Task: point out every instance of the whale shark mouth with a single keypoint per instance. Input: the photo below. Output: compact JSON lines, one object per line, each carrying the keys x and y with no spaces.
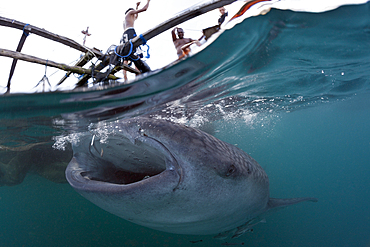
{"x":122,"y":161}
{"x":120,"y":175}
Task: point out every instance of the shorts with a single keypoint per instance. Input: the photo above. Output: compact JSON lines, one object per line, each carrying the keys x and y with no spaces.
{"x":128,"y":35}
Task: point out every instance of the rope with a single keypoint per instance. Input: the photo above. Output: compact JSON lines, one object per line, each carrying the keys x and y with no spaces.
{"x":131,"y":48}
{"x":143,"y":39}
{"x":192,"y":30}
{"x":24,"y":30}
{"x":147,"y":51}
{"x":131,"y":58}
{"x":44,"y":78}
{"x":67,"y":75}
{"x":147,"y":46}
{"x":91,"y":51}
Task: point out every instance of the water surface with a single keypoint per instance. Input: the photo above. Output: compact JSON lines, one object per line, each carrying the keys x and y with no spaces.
{"x":290,"y":88}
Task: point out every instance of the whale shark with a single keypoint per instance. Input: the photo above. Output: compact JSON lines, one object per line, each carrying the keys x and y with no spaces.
{"x":170,"y":177}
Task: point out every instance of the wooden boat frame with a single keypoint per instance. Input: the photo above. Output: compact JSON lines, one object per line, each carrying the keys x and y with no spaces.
{"x":91,"y":53}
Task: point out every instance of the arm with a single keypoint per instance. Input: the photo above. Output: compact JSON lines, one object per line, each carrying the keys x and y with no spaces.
{"x":173,"y":32}
{"x":194,"y":41}
{"x":137,"y":11}
{"x":186,"y":46}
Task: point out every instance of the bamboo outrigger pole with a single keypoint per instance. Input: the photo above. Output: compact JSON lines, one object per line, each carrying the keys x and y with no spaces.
{"x":73,"y":69}
{"x":182,"y":17}
{"x":83,"y":60}
{"x":27,"y":29}
{"x":46,"y":34}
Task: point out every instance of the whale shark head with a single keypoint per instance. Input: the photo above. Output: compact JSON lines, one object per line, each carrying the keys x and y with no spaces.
{"x":170,"y":177}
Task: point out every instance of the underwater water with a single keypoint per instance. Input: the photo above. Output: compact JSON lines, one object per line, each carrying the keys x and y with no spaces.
{"x":292,"y":89}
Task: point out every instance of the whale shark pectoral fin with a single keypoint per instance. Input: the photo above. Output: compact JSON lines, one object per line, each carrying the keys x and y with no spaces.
{"x":240,"y":230}
{"x":224,"y":235}
{"x":278,"y":203}
{"x":247,"y":227}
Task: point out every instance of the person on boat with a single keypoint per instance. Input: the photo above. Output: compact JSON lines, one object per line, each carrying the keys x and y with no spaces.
{"x":182,"y":44}
{"x":129,"y":33}
{"x":131,"y":16}
{"x":223,"y":15}
{"x":208,"y":32}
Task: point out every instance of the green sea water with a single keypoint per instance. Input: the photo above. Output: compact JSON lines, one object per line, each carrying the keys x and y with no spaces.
{"x":292,"y":91}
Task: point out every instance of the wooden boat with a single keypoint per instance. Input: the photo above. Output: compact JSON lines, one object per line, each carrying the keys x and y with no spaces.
{"x":91,"y":53}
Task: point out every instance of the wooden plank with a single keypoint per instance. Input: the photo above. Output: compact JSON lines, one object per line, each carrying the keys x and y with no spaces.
{"x":182,"y":17}
{"x":81,"y":82}
{"x":83,"y":60}
{"x":101,"y":66}
{"x":32,"y":59}
{"x":46,"y":34}
{"x":125,"y":67}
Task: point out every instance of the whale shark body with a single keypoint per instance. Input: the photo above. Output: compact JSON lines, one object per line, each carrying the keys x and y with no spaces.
{"x":171,"y":178}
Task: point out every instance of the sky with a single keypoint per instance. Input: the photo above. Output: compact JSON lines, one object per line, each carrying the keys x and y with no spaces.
{"x":105,"y":21}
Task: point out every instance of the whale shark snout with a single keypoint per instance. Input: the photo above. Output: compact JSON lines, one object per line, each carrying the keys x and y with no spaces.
{"x":170,"y":177}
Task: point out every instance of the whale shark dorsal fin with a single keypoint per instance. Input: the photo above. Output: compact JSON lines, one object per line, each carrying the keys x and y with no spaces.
{"x":278,"y":203}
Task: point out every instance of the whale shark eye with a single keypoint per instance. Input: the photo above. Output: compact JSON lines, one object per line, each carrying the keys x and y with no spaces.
{"x":231,"y":170}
